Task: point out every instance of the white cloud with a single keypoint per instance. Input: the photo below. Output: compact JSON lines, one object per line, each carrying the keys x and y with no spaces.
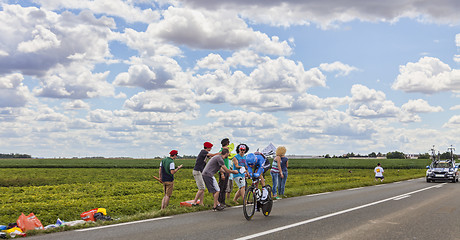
{"x":457,"y":43}
{"x":331,"y":13}
{"x":456,"y":107}
{"x":45,"y":113}
{"x":12,"y":91}
{"x":212,"y":61}
{"x":369,"y":103}
{"x":74,"y":82}
{"x":124,"y":9}
{"x":274,"y":85}
{"x":332,"y":122}
{"x":35,"y":40}
{"x":343,"y":69}
{"x":420,"y":106}
{"x":285,"y":75}
{"x":242,"y":119}
{"x":43,"y":38}
{"x":100,"y":116}
{"x":428,"y":75}
{"x":152,"y":73}
{"x":167,"y":101}
{"x":454,"y":122}
{"x":214,"y":30}
{"x":76,"y":104}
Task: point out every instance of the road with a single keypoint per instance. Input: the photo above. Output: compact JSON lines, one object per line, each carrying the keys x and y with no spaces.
{"x":404,"y":210}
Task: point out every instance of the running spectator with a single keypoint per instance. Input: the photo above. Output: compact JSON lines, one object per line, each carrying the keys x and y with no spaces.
{"x":166,"y":172}
{"x":379,"y":172}
{"x":198,"y":169}
{"x":239,"y":164}
{"x":215,"y":164}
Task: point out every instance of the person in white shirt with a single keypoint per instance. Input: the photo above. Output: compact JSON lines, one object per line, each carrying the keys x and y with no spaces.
{"x":378,"y":172}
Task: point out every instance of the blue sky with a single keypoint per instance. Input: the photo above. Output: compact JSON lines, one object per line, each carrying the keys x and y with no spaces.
{"x":138,"y":78}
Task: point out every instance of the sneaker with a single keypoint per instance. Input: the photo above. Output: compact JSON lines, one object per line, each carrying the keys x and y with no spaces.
{"x":277,"y":198}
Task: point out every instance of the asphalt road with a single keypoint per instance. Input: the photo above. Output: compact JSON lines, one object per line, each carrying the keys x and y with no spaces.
{"x":404,"y":210}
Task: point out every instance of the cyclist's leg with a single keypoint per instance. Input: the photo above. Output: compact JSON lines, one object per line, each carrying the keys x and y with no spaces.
{"x":260,"y":172}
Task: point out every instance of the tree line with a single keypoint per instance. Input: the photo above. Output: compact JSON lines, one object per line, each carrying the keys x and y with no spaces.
{"x":14,"y":155}
{"x":394,"y":155}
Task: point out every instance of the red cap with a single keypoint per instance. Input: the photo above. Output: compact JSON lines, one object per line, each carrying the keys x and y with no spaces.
{"x":173,"y":152}
{"x":208,"y":145}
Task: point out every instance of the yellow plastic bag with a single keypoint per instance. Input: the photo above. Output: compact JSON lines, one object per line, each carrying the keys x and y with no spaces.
{"x":102,"y":210}
{"x":12,"y":230}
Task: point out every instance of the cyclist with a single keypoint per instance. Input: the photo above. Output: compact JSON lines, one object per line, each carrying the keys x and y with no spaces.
{"x":256,"y":166}
{"x":255,"y":163}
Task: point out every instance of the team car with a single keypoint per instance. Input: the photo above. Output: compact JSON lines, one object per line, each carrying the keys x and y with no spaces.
{"x":445,"y":170}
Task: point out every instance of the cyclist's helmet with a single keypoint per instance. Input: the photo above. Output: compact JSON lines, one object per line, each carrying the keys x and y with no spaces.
{"x":251,"y":159}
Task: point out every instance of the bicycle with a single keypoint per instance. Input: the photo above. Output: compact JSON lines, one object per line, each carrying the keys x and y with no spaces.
{"x":253,"y":197}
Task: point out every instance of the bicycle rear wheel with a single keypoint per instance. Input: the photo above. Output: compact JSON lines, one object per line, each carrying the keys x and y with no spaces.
{"x":249,"y":203}
{"x":268,"y":204}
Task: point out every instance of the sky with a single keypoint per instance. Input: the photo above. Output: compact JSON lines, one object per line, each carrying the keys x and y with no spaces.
{"x":138,"y":78}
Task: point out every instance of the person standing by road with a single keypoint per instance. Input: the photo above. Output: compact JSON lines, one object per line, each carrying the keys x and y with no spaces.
{"x":283,"y":174}
{"x":276,"y":174}
{"x":379,"y":172}
{"x":198,"y":169}
{"x":166,"y":172}
{"x":224,"y":176}
{"x":215,"y":164}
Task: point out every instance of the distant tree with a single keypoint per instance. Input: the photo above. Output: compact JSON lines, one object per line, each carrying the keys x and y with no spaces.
{"x":446,"y":155}
{"x":424,"y":156}
{"x":379,"y":154}
{"x":396,"y":155}
{"x":14,"y":155}
{"x":372,"y":154}
{"x":327,"y":156}
{"x":350,"y":155}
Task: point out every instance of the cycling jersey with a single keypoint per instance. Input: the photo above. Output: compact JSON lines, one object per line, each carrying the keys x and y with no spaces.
{"x":257,"y":168}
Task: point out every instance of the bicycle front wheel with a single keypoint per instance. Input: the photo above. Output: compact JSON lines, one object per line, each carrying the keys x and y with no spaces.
{"x":249,"y":203}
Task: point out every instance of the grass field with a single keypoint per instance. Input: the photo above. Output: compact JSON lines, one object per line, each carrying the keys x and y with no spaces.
{"x":332,"y":163}
{"x":126,"y":188}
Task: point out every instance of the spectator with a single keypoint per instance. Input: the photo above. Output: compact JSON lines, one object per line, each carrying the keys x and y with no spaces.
{"x":198,"y":169}
{"x":379,"y":172}
{"x":166,"y":172}
{"x":215,"y":164}
{"x":276,"y":175}
{"x":239,"y":164}
{"x":224,"y":176}
{"x":281,"y":153}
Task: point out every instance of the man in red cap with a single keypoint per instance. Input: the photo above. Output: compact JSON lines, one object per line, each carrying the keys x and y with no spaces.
{"x":198,"y":170}
{"x":166,"y":172}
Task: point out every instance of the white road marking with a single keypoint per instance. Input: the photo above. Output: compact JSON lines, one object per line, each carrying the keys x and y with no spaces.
{"x":333,"y":214}
{"x":121,"y":224}
{"x":318,"y":194}
{"x":401,"y":197}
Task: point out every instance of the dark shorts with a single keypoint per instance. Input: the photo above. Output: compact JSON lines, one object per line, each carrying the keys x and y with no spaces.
{"x":211,"y":184}
{"x":382,"y":177}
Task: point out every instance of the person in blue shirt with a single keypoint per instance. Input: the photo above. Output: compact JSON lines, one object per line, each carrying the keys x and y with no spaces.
{"x":239,"y":163}
{"x":255,"y":163}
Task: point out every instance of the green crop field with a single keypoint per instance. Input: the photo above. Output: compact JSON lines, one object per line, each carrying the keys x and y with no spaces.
{"x":64,"y":188}
{"x":333,"y":163}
